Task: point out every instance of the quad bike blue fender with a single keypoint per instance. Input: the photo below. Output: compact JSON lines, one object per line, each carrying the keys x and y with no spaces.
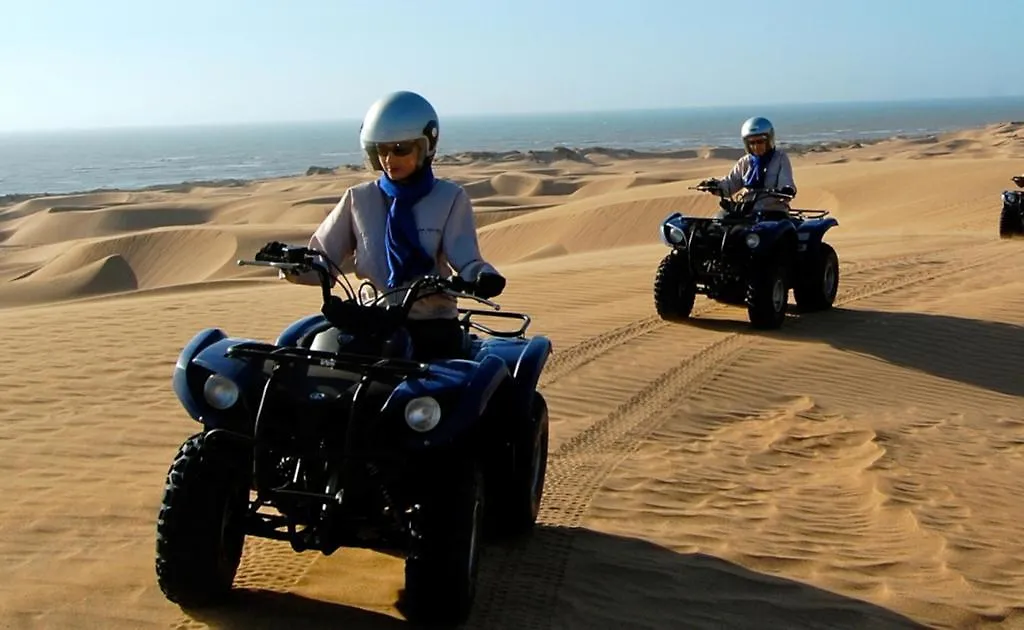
{"x":526,"y":361}
{"x":527,"y":371}
{"x":462,"y":388}
{"x":198,"y":360}
{"x":811,"y":232}
{"x":296,"y":330}
{"x":673,"y":230}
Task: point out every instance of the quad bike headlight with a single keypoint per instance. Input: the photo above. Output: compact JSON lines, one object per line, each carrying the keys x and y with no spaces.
{"x":1010,"y":197}
{"x":675,"y":235}
{"x":753,"y":240}
{"x":220,"y":391}
{"x":422,"y":414}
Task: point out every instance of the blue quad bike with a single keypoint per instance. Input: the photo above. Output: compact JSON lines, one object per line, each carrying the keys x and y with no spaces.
{"x":1011,"y":219}
{"x":333,"y":436}
{"x":747,"y":257}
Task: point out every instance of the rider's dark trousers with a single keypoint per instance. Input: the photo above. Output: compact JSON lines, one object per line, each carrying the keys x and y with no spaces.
{"x":435,"y":339}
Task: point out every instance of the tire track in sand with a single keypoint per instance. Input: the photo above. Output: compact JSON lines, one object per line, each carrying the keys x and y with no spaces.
{"x":520,"y":583}
{"x":593,"y":348}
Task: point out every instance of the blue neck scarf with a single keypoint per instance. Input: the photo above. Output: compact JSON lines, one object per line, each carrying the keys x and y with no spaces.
{"x":406,"y":257}
{"x":758,"y":169}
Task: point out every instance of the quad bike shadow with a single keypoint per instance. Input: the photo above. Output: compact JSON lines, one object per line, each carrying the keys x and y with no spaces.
{"x":661,"y":588}
{"x":991,"y":358}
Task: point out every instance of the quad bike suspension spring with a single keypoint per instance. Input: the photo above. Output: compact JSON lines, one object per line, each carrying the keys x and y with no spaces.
{"x":374,"y":474}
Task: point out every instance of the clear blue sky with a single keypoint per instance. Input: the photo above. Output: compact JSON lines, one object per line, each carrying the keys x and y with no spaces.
{"x":98,"y":63}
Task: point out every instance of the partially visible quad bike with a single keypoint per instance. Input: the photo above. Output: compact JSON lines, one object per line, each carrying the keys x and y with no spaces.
{"x":1011,"y":219}
{"x":748,"y":258}
{"x":334,"y":437}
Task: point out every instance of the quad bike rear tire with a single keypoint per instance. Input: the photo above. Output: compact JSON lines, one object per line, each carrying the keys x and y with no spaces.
{"x":1011,"y":222}
{"x":200,"y":529}
{"x":517,"y":493}
{"x":674,"y":288}
{"x":818,"y":282}
{"x":441,"y":570}
{"x":768,"y":296}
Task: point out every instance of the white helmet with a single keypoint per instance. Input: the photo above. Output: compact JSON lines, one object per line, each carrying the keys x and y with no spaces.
{"x":758,"y":126}
{"x":399,"y":117}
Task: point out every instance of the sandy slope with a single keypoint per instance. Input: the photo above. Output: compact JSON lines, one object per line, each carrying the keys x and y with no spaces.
{"x":859,"y":468}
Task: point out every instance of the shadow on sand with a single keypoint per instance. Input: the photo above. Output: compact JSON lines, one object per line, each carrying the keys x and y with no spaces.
{"x":976,"y":352}
{"x":610,"y":582}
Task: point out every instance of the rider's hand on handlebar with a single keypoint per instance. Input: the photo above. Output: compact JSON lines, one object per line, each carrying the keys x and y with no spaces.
{"x":489,"y":285}
{"x":271,"y":251}
{"x":459,"y":285}
{"x":1019,"y":180}
{"x":709,"y":184}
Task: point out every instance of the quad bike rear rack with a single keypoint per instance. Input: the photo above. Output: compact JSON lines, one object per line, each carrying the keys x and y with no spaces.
{"x":809,"y":214}
{"x":467,"y":313}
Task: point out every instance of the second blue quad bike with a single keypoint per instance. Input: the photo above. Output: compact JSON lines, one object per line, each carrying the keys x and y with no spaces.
{"x":1011,"y":219}
{"x":333,"y":436}
{"x":748,"y":257}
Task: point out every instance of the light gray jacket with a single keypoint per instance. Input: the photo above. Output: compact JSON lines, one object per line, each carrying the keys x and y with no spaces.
{"x":778,"y":174}
{"x":357,"y":226}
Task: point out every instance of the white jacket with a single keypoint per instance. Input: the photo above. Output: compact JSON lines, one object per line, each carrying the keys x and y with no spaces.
{"x":447,"y":229}
{"x":778,"y":174}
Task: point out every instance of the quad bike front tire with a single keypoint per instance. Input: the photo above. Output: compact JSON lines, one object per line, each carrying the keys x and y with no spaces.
{"x":1011,"y":222}
{"x":768,"y":296}
{"x":442,"y":568}
{"x":200,"y":528}
{"x":674,"y":288}
{"x":517,"y":493}
{"x":818,"y":282}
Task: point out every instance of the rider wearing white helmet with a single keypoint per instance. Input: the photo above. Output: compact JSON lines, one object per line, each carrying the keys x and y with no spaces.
{"x":763,"y":166}
{"x":407,"y":223}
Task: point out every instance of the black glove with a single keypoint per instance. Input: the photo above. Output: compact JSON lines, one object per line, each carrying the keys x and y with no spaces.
{"x":788,"y":191}
{"x":271,"y":251}
{"x":489,"y":285}
{"x":1019,"y":180}
{"x":709,"y":183}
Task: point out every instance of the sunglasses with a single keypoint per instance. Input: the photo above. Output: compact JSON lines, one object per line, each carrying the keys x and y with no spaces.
{"x":398,"y":149}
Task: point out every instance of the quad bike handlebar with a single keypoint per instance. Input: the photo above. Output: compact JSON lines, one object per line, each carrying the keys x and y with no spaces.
{"x":1019,"y":180}
{"x":783,"y":193}
{"x":377,"y":312}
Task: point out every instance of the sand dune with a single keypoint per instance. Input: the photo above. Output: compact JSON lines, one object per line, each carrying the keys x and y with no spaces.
{"x":859,"y":468}
{"x":56,"y":225}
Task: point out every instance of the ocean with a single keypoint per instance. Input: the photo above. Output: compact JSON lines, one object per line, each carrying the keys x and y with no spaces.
{"x":71,"y":161}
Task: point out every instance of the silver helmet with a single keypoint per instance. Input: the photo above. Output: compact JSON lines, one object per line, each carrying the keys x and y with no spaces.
{"x":758,"y":126}
{"x":399,"y":117}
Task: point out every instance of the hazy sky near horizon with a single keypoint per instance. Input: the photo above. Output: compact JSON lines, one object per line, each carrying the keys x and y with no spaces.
{"x":75,"y":64}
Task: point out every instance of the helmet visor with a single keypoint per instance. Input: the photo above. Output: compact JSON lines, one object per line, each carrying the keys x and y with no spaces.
{"x":404,"y":148}
{"x":753,"y":141}
{"x":756,"y":142}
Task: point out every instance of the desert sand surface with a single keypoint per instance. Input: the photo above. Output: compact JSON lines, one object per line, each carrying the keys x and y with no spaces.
{"x":859,"y":468}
